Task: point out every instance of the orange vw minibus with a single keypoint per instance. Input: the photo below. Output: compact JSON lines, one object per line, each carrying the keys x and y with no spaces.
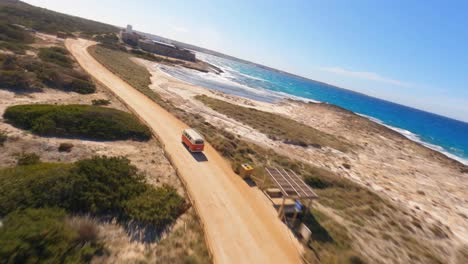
{"x":193,"y":140}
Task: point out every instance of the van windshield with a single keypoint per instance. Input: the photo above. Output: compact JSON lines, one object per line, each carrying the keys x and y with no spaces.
{"x":199,"y":141}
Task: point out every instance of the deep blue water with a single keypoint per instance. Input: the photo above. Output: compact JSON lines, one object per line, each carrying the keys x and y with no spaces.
{"x":441,"y":133}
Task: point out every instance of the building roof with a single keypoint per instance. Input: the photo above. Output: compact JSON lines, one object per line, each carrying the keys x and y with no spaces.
{"x":290,"y":184}
{"x":193,"y":134}
{"x":164,"y":43}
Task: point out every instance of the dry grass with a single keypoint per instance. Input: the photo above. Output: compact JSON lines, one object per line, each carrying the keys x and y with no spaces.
{"x":275,"y":126}
{"x":185,"y":244}
{"x":120,"y":64}
{"x":3,"y":138}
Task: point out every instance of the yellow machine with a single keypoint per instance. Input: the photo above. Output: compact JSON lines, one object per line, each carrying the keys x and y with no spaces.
{"x":246,"y":170}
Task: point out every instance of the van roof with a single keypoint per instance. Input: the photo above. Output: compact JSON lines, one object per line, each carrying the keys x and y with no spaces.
{"x":193,"y":133}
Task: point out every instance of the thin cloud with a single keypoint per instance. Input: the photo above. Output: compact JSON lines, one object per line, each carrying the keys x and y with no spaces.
{"x":180,"y":29}
{"x":371,"y":76}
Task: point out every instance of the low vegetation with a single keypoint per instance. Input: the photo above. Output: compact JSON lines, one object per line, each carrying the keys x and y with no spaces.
{"x":52,"y":68}
{"x":110,"y":41}
{"x":185,"y":244}
{"x":100,"y":102}
{"x":276,"y":126}
{"x":56,"y":55}
{"x":99,"y":185}
{"x":44,"y":20}
{"x":44,"y":236}
{"x":65,"y":147}
{"x":120,"y":64}
{"x":158,"y":207}
{"x":24,"y":159}
{"x":14,"y":38}
{"x":84,"y":121}
{"x":29,"y":74}
{"x":136,"y":75}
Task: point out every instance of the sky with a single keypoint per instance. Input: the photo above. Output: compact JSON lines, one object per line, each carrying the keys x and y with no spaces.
{"x":410,"y":52}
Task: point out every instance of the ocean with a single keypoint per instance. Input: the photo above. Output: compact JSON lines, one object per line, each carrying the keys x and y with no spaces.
{"x":440,"y":133}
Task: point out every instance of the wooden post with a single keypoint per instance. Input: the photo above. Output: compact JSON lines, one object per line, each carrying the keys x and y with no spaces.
{"x":280,"y":213}
{"x":294,"y":216}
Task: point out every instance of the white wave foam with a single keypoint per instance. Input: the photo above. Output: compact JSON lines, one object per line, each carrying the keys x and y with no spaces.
{"x":223,"y":80}
{"x":253,"y":77}
{"x":414,"y":137}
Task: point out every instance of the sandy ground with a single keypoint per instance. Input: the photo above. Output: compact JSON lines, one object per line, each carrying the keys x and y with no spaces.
{"x":427,"y":184}
{"x":240,"y":224}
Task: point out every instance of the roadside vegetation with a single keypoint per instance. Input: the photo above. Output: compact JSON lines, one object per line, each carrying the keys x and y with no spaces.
{"x":56,"y":55}
{"x":38,"y":201}
{"x":46,"y":236}
{"x":175,"y":248}
{"x":121,"y":65}
{"x":362,"y":212}
{"x":84,"y":121}
{"x":44,"y":20}
{"x":276,"y":126}
{"x":99,"y":185}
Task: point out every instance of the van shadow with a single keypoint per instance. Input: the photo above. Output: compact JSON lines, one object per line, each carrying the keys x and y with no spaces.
{"x":250,"y":182}
{"x":319,"y":233}
{"x":198,"y":156}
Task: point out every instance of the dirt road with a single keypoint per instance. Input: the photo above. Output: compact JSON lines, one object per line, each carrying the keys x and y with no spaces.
{"x":240,"y":224}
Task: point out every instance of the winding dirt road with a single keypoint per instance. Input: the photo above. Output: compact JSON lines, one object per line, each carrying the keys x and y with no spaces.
{"x":240,"y":224}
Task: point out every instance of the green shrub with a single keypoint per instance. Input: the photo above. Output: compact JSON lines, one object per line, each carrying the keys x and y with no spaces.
{"x":43,"y":236}
{"x":17,"y":48}
{"x":317,"y":182}
{"x":28,"y":74}
{"x":101,"y":102}
{"x":86,"y":121}
{"x":110,"y":41}
{"x":61,"y":78}
{"x":105,"y":184}
{"x":65,"y":147}
{"x":9,"y":32}
{"x":158,"y":207}
{"x":56,"y":55}
{"x":99,"y":185}
{"x":17,"y":80}
{"x":39,"y":185}
{"x":24,"y":159}
{"x":81,"y":86}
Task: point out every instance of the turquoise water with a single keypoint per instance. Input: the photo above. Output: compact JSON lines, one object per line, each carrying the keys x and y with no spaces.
{"x":443,"y":134}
